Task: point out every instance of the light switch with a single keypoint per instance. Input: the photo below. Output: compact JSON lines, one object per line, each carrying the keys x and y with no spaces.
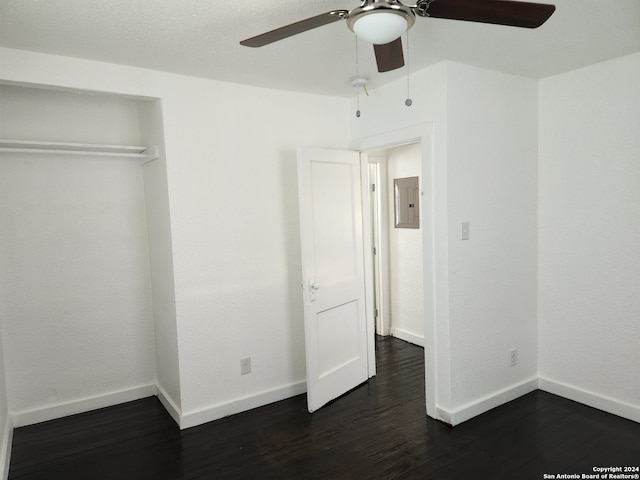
{"x":465,"y":230}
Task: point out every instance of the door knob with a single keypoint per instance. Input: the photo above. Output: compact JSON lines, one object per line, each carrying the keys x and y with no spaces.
{"x":313,"y":288}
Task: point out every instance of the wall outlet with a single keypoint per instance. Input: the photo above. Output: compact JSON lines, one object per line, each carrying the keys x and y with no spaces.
{"x":245,"y":365}
{"x":514,"y":356}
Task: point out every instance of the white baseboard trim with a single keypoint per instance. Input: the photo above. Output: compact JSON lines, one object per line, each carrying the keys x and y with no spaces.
{"x":169,"y":404}
{"x":5,"y":452}
{"x":470,"y":410}
{"x":407,"y":336}
{"x":29,"y":417}
{"x":22,"y":418}
{"x":243,"y":404}
{"x":609,"y":405}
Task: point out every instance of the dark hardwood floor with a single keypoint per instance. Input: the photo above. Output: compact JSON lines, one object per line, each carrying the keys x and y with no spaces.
{"x":378,"y":430}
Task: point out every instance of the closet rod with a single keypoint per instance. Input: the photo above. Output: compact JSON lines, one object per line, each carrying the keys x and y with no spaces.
{"x":131,"y":151}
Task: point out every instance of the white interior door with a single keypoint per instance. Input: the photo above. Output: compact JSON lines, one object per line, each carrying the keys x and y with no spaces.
{"x":333,"y":268}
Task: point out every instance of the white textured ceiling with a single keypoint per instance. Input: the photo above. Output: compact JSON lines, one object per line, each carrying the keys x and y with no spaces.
{"x":200,"y":38}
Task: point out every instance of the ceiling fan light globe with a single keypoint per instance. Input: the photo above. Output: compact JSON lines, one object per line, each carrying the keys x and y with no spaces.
{"x":380,"y":28}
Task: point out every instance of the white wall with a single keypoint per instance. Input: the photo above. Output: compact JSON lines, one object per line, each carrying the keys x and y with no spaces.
{"x":47,"y":115}
{"x":482,"y":169}
{"x":405,"y":252}
{"x":234,"y":218}
{"x":589,"y":263}
{"x":161,"y":258}
{"x":74,"y":261}
{"x":492,"y":183}
{"x":231,"y":175}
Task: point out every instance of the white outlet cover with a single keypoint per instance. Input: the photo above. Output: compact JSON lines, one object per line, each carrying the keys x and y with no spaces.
{"x":245,"y":365}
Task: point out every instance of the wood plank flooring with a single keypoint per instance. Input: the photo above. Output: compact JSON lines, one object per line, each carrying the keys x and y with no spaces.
{"x":377,"y":431}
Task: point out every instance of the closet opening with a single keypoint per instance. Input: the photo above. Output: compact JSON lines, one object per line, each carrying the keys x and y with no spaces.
{"x":84,"y":242}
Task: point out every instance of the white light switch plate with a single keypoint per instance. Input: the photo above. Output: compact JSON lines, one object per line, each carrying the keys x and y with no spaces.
{"x":465,"y":230}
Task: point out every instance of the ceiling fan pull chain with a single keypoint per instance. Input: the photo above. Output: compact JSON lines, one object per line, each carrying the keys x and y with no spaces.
{"x":408,"y":101}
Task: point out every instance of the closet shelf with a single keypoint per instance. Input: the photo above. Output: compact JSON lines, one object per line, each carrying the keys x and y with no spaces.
{"x":147,"y":154}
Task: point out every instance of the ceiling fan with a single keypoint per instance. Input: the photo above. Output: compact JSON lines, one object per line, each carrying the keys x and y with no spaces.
{"x":382,"y":22}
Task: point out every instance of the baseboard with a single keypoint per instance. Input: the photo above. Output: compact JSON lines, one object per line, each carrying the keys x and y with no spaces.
{"x":462,"y":414}
{"x":22,"y":418}
{"x":30,"y":417}
{"x":250,"y":402}
{"x":609,"y":405}
{"x":407,"y":336}
{"x":168,"y":404}
{"x":5,"y":452}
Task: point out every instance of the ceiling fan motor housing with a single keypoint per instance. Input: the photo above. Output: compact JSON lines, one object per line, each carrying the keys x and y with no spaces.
{"x":380,"y":21}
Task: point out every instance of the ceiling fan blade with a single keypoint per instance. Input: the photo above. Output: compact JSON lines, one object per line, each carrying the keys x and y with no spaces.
{"x":295,"y":28}
{"x":389,"y":56}
{"x":499,"y":12}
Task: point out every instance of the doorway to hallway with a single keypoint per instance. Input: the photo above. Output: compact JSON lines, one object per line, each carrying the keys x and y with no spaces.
{"x":396,"y":253}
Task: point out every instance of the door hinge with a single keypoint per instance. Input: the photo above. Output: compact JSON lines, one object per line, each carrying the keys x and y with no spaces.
{"x":376,"y":313}
{"x":374,"y":250}
{"x":373,"y":187}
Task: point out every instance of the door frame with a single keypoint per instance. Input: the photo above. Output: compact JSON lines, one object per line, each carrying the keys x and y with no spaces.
{"x":380,"y":239}
{"x":423,"y":133}
{"x":368,"y":262}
